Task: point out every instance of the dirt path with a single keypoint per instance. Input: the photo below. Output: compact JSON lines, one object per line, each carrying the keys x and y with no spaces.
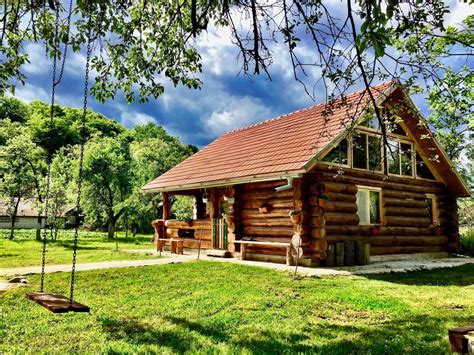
{"x":27,"y":270}
{"x":379,"y":265}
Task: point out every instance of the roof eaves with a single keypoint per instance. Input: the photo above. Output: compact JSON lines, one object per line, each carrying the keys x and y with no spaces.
{"x":226,"y":182}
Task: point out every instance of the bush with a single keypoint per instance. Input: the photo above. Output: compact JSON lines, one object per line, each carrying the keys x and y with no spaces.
{"x":467,"y":242}
{"x":182,"y":208}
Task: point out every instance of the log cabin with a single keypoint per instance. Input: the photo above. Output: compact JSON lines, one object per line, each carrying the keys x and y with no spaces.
{"x":326,"y":185}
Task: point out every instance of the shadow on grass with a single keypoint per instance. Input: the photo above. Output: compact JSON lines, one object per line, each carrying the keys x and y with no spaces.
{"x":136,"y":332}
{"x":422,"y":333}
{"x":456,"y":276}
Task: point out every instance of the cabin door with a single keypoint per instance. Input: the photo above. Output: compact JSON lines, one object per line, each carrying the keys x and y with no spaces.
{"x":219,"y":225}
{"x":219,"y":233}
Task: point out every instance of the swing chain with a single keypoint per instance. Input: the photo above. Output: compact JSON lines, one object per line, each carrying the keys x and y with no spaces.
{"x":48,"y":174}
{"x":81,"y":161}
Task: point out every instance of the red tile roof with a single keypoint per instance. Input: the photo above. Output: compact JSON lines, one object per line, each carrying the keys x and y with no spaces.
{"x":273,"y":147}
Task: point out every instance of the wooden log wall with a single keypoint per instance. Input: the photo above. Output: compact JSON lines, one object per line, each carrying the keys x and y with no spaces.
{"x":405,"y":226}
{"x":274,"y":224}
{"x":181,"y":229}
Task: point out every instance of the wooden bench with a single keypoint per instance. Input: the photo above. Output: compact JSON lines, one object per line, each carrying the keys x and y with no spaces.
{"x":458,"y":340}
{"x":244,"y":243}
{"x":176,"y":245}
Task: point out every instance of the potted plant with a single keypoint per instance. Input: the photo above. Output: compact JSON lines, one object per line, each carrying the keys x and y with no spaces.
{"x":189,"y":221}
{"x":295,"y":216}
{"x":229,"y":218}
{"x":437,"y":229}
{"x":376,"y":230}
{"x":264,"y":208}
{"x":322,"y":199}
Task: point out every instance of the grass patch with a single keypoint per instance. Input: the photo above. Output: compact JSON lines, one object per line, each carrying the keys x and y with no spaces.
{"x":467,"y":242}
{"x":220,"y":307}
{"x":24,"y":250}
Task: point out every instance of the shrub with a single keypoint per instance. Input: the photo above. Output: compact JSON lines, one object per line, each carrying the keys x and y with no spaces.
{"x":467,"y":242}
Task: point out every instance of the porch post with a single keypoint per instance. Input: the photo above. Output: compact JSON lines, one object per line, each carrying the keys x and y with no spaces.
{"x":166,"y":206}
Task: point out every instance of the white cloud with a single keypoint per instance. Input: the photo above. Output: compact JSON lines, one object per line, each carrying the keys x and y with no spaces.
{"x":236,"y":112}
{"x":219,"y":54}
{"x":458,"y":11}
{"x":129,"y":118}
{"x":30,"y":92}
{"x":39,"y":62}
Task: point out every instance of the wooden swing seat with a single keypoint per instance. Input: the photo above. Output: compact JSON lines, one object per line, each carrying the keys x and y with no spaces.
{"x":56,"y":303}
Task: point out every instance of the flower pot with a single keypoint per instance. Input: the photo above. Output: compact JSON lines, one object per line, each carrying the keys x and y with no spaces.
{"x":190,"y":223}
{"x":322,"y":202}
{"x":375,"y":231}
{"x":296,"y":218}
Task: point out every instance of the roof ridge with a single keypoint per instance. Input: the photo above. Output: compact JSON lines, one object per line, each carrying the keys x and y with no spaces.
{"x":357,"y":92}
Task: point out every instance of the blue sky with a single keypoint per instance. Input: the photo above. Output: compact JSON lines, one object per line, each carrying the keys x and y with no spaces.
{"x":226,"y":100}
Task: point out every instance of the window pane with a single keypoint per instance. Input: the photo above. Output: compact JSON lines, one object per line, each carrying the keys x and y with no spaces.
{"x":429,"y":206}
{"x":374,"y":207}
{"x":375,"y":155}
{"x":422,"y":170}
{"x":371,"y":122}
{"x":359,"y":151}
{"x":338,"y":155}
{"x":393,"y":157}
{"x":362,"y":197}
{"x":393,"y":127}
{"x":406,"y":159}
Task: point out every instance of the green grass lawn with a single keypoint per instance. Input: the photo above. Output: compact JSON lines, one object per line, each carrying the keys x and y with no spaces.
{"x":24,"y":250}
{"x":220,"y":307}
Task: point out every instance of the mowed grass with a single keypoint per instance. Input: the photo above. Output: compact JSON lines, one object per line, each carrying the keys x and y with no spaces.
{"x":24,"y":250}
{"x":220,"y":307}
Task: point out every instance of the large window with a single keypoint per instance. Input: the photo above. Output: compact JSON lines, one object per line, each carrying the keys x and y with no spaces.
{"x":368,"y":205}
{"x":367,"y":152}
{"x":400,"y":158}
{"x":422,"y":170}
{"x":338,"y":155}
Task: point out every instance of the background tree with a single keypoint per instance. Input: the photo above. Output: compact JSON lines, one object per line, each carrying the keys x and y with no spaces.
{"x":143,"y":43}
{"x":17,"y":180}
{"x":108,"y":178}
{"x":62,"y":173}
{"x":13,"y":109}
{"x":153,"y":152}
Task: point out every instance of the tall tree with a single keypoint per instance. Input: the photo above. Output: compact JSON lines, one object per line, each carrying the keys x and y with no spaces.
{"x":142,"y":44}
{"x":17,"y":179}
{"x":108,"y":177}
{"x":13,"y":109}
{"x":153,"y":152}
{"x":60,"y":195}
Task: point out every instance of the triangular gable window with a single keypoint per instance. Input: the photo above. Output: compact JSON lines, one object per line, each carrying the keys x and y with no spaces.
{"x":422,"y":170}
{"x":338,"y":154}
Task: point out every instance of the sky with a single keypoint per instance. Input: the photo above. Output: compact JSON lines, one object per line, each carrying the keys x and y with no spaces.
{"x":227,"y":99}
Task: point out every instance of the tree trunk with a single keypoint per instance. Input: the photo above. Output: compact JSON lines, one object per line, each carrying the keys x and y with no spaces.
{"x":13,"y":216}
{"x":112,"y":221}
{"x":111,"y":228}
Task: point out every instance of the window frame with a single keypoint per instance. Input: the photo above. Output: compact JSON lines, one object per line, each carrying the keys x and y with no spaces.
{"x":413,"y":157}
{"x":349,"y":153}
{"x":367,"y":134}
{"x":369,"y":189}
{"x":434,"y":222}
{"x":427,"y":166}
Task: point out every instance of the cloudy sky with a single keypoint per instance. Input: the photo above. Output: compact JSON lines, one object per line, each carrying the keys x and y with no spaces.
{"x":226,"y":101}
